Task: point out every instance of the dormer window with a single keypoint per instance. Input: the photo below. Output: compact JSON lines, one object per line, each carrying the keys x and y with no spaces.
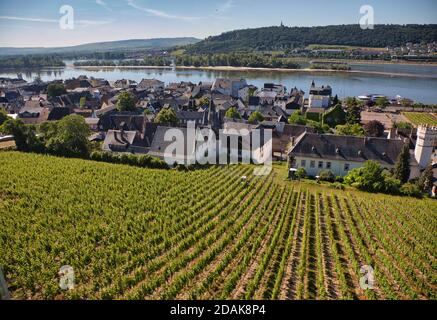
{"x":313,"y":149}
{"x":337,"y":150}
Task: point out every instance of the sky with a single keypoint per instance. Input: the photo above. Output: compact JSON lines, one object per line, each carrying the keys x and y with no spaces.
{"x":25,"y":23}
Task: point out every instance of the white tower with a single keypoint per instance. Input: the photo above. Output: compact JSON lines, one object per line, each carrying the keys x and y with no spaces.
{"x":426,"y":142}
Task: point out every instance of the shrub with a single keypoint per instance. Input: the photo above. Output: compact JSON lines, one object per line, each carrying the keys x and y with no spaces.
{"x":96,"y":156}
{"x":326,"y":175}
{"x":143,"y":161}
{"x":373,"y":178}
{"x":301,"y":173}
{"x":411,"y":190}
{"x":338,"y":185}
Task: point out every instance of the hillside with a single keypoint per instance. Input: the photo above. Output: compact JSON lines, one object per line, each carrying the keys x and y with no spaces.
{"x":132,"y":233}
{"x":158,"y":43}
{"x":280,"y":38}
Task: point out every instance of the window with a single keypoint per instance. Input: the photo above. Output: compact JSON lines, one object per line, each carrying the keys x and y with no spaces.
{"x":312,"y":164}
{"x":303,"y":163}
{"x":328,"y":165}
{"x":320,"y":164}
{"x":346,"y":166}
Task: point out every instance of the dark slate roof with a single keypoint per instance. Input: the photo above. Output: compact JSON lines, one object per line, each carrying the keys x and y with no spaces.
{"x":149,"y":132}
{"x":118,"y":140}
{"x":347,"y":148}
{"x":294,"y":130}
{"x":273,"y":111}
{"x":159,"y":145}
{"x":189,"y":115}
{"x":127,"y":122}
{"x":58,"y":113}
{"x":12,"y":95}
{"x":254,"y":101}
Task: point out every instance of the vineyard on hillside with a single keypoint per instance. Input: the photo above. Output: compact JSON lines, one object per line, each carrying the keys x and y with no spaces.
{"x":133,"y":233}
{"x":419,"y":118}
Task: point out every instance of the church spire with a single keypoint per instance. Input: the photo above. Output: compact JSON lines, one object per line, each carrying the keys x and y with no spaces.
{"x":211,"y":111}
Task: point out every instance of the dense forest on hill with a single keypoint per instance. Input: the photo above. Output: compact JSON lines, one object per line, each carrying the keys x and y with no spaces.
{"x":282,"y":38}
{"x":24,"y":62}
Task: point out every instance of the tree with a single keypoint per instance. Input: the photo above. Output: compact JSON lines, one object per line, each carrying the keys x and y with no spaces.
{"x":126,"y":102}
{"x":3,"y":116}
{"x":67,"y":137}
{"x":425,"y":181}
{"x":24,"y":135}
{"x":204,"y":102}
{"x":167,"y":116}
{"x":353,"y":110}
{"x":402,"y":167}
{"x":366,"y":177}
{"x":232,"y":113}
{"x":350,"y":102}
{"x":297,"y":118}
{"x":317,"y":126}
{"x":372,"y":177}
{"x":374,"y":128}
{"x":350,"y":130}
{"x":82,"y":102}
{"x":256,"y":117}
{"x":55,"y":90}
{"x":335,"y":116}
{"x":382,"y":102}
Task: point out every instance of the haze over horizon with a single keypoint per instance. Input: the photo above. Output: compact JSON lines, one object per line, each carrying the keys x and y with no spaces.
{"x":36,"y":24}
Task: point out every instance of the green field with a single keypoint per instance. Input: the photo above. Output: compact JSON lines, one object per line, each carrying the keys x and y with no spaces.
{"x":419,"y":118}
{"x":132,"y":233}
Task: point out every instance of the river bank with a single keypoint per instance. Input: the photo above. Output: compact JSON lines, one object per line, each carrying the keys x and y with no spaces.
{"x":251,"y":69}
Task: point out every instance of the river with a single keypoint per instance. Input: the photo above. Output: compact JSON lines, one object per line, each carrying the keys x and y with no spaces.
{"x":417,"y":82}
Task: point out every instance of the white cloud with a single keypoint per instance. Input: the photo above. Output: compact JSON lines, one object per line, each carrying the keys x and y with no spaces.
{"x":103,"y":4}
{"x":158,"y":13}
{"x":28,"y":19}
{"x":85,"y":23}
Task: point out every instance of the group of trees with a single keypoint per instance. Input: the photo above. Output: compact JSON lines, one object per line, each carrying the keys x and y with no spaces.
{"x":126,"y":102}
{"x":252,"y":60}
{"x":25,"y":62}
{"x":149,"y":60}
{"x":143,"y":161}
{"x":255,"y":60}
{"x":332,"y":66}
{"x":67,"y":137}
{"x":283,"y":38}
{"x":3,"y":116}
{"x":298,"y":118}
{"x":372,"y":177}
{"x":56,"y":90}
{"x":167,"y":116}
{"x":232,"y":113}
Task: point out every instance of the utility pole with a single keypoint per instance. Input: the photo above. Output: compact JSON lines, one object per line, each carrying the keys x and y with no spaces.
{"x":4,"y":292}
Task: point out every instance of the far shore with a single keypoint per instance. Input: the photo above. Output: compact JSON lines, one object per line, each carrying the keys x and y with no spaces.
{"x":248,"y":69}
